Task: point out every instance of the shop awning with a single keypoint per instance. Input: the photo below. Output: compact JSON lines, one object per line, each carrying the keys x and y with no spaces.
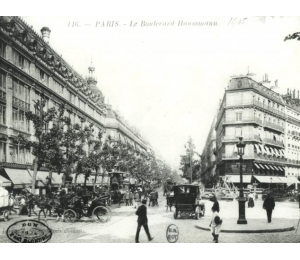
{"x":257,"y":149}
{"x":267,"y":167}
{"x":281,"y":168}
{"x":281,"y":152}
{"x":276,"y":168}
{"x":256,"y":165}
{"x":271,"y":167}
{"x":236,"y":178}
{"x":261,"y":166}
{"x":41,"y":177}
{"x":290,"y":180}
{"x":268,"y":179}
{"x":4,"y":182}
{"x":263,"y":149}
{"x":19,"y":177}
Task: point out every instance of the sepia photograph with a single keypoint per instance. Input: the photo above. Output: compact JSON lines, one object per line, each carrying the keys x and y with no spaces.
{"x":149,"y":129}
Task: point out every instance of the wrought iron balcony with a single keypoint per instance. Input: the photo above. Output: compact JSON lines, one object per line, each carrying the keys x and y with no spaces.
{"x":274,"y":126}
{"x":273,"y":142}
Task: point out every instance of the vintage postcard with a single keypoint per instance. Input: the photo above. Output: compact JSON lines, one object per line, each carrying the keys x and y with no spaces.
{"x":155,"y":129}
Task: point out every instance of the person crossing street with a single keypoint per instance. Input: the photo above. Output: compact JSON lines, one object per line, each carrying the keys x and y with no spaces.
{"x":142,"y":221}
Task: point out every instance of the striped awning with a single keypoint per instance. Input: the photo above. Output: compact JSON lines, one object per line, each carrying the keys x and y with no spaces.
{"x":256,"y":165}
{"x":257,"y":149}
{"x":275,"y":167}
{"x":261,"y":166}
{"x":267,"y":167}
{"x":271,"y":167}
{"x":276,"y":152}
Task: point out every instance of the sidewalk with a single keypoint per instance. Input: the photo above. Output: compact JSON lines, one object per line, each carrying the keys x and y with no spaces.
{"x":284,"y":217}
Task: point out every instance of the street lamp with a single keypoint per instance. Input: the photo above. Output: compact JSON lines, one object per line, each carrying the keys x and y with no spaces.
{"x":241,"y":199}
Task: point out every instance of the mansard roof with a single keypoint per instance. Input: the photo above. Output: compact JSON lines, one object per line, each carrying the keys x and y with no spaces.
{"x":20,"y":31}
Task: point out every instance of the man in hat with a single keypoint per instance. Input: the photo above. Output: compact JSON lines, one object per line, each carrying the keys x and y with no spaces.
{"x":269,"y":205}
{"x":142,"y":221}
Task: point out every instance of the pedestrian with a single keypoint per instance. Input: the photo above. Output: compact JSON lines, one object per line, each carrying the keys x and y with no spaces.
{"x":216,"y":205}
{"x":136,"y":199}
{"x":156,"y":198}
{"x":142,"y":221}
{"x":269,"y":205}
{"x":119,"y":197}
{"x":131,"y":197}
{"x":215,"y":225}
{"x":23,"y":209}
{"x":11,"y":203}
{"x":126,"y":197}
{"x":250,"y":200}
{"x":31,"y":204}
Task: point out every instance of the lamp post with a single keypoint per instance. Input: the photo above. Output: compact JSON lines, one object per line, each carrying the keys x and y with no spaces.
{"x":241,"y":199}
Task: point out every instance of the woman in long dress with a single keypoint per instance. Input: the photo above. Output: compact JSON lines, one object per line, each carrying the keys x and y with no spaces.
{"x":215,"y":225}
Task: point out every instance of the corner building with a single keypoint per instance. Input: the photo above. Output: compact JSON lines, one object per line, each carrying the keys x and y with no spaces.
{"x":256,"y":113}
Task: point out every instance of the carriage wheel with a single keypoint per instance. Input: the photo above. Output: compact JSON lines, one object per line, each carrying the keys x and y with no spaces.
{"x":176,"y":214}
{"x":203,"y":212}
{"x":70,"y":215}
{"x":110,"y":212}
{"x":5,"y":215}
{"x":101,"y":213}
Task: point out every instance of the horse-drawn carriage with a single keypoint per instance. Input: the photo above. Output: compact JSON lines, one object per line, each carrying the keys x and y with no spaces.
{"x":187,"y":201}
{"x":95,"y":208}
{"x":4,"y":203}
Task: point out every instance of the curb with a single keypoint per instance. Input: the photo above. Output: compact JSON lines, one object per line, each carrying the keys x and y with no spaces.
{"x":251,"y":231}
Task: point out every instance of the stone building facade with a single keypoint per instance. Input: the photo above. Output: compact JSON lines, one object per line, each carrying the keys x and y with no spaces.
{"x":29,"y":69}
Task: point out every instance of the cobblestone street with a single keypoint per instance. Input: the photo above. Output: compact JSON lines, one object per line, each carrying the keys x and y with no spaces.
{"x":122,"y":226}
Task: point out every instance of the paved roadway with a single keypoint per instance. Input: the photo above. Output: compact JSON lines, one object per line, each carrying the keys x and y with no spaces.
{"x":122,"y":226}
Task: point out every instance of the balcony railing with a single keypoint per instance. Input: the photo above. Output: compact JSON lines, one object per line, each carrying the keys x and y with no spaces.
{"x":266,"y":157}
{"x":233,"y":138}
{"x":293,"y":161}
{"x":263,"y":105}
{"x":236,"y":156}
{"x":274,"y":126}
{"x":273,"y":142}
{"x":244,"y":120}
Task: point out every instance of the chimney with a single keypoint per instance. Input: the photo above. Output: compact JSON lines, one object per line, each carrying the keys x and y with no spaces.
{"x":288,"y":91}
{"x":294,"y":93}
{"x":46,"y":34}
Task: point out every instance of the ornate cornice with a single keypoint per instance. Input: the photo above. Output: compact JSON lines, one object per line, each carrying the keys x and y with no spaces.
{"x":19,"y":30}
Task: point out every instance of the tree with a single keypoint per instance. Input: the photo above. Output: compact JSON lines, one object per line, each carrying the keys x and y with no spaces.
{"x":190,"y":166}
{"x":46,"y":146}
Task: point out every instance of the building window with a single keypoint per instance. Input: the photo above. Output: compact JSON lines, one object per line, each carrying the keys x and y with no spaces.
{"x":238,"y":116}
{"x":2,"y":152}
{"x":2,"y":49}
{"x":2,"y":81}
{"x":2,"y":114}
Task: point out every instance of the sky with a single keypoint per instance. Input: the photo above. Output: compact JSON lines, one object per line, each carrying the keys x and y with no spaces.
{"x":167,"y":81}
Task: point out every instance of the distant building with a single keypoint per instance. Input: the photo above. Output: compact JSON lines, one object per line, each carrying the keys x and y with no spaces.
{"x":208,"y":158}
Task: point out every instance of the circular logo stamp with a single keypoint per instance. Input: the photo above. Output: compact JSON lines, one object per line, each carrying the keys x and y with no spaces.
{"x":172,"y":233}
{"x":29,"y":231}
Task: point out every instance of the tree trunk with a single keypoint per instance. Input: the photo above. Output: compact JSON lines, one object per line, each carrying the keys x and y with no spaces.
{"x":84,"y":184}
{"x":49,"y":184}
{"x":35,"y":168}
{"x":96,"y":175}
{"x":102,"y":178}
